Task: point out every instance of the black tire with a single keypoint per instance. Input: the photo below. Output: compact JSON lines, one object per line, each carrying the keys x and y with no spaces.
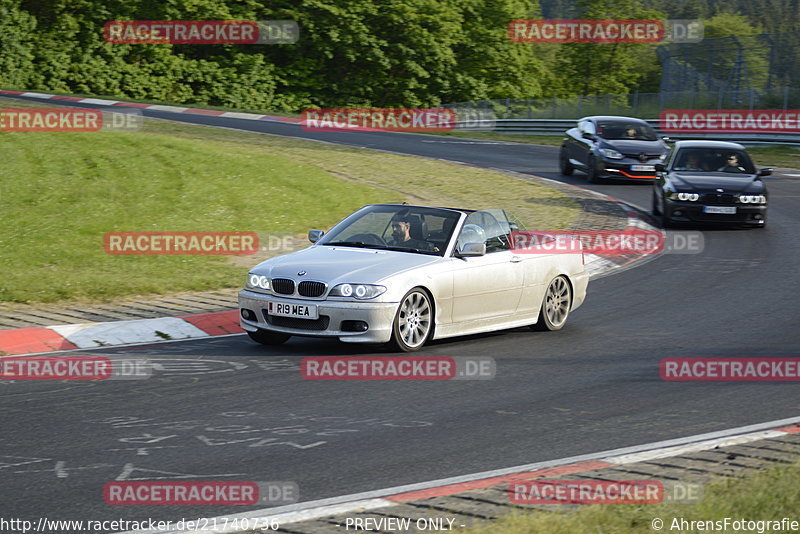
{"x":556,"y":305}
{"x":666,"y":222}
{"x":563,"y":164}
{"x":413,"y":321}
{"x":265,"y":337}
{"x":591,"y":171}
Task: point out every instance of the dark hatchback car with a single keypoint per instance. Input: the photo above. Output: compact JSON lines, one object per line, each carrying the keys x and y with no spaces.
{"x":710,"y":181}
{"x":612,"y":147}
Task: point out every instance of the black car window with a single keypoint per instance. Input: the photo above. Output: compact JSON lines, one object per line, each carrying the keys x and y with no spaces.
{"x":713,"y":160}
{"x":626,"y":130}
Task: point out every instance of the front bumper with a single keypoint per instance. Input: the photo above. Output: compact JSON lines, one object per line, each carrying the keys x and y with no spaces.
{"x":377,"y":315}
{"x":684,"y":211}
{"x":621,"y":169}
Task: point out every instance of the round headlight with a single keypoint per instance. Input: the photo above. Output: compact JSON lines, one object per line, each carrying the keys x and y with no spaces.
{"x":361,"y":291}
{"x":744,"y":199}
{"x":346,"y":290}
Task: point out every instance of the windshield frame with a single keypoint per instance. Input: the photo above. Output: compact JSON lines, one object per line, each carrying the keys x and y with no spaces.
{"x":602,"y":125}
{"x":331,"y":238}
{"x":707,"y":151}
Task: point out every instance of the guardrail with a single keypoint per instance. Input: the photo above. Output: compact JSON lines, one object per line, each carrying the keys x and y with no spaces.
{"x":559,"y":126}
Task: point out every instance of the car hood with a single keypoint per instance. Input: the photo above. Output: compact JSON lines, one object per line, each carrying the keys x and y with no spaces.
{"x":711,"y":181}
{"x":633,"y":146}
{"x":336,"y":264}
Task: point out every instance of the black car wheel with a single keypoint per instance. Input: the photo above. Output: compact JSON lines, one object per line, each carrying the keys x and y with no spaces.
{"x":666,"y":222}
{"x":656,"y":211}
{"x":266,"y":337}
{"x":413,"y":322}
{"x":556,"y":305}
{"x":563,"y":163}
{"x":591,"y":171}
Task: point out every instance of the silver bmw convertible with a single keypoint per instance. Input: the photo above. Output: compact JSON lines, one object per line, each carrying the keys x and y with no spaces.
{"x":401,"y":274}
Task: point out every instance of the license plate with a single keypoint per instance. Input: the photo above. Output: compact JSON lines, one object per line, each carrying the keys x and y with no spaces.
{"x":643,"y":168}
{"x":298,"y":311}
{"x":727,"y":210}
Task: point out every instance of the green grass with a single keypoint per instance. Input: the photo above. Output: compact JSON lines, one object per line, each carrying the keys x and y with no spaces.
{"x":768,"y":495}
{"x":776,"y":156}
{"x":61,"y":192}
{"x":159,"y":102}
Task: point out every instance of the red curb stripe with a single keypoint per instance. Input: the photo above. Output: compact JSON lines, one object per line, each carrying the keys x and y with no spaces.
{"x":132,"y":105}
{"x":215,"y":323}
{"x":442,"y":491}
{"x":11,"y":92}
{"x":67,"y":98}
{"x":32,"y":339}
{"x":198,"y":111}
{"x":793,"y":429}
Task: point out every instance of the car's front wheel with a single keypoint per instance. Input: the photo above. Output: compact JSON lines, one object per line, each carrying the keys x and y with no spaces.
{"x":563,"y":163}
{"x":666,"y":221}
{"x":591,"y":171}
{"x":556,"y":305}
{"x":266,"y":337}
{"x":413,"y":322}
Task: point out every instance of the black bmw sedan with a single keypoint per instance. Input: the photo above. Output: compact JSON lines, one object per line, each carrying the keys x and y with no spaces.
{"x":710,"y":181}
{"x":612,"y":147}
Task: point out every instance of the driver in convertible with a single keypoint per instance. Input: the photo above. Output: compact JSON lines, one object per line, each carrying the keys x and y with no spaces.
{"x":401,"y":235}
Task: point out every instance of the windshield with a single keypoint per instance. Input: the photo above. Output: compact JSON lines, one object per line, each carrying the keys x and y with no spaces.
{"x":401,"y":228}
{"x":713,"y":160}
{"x":626,"y":130}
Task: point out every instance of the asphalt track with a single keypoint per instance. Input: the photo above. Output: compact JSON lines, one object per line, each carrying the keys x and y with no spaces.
{"x":227,"y":409}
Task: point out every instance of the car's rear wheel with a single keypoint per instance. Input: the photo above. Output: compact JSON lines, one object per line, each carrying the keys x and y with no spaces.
{"x":591,"y":171}
{"x":563,"y":163}
{"x":266,"y":337}
{"x":413,"y":322}
{"x":556,"y":305}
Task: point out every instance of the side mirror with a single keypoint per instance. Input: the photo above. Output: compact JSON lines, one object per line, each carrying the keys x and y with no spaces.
{"x":472,"y":249}
{"x":766,"y":171}
{"x":315,"y":235}
{"x":660,"y":167}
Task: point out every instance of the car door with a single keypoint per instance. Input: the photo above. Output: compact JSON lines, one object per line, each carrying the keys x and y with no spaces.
{"x":487,"y":286}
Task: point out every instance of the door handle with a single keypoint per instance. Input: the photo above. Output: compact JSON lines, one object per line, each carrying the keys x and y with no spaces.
{"x":516,"y":259}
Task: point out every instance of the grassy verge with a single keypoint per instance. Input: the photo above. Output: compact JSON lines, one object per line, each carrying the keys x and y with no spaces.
{"x":161,"y":102}
{"x":768,"y":495}
{"x":62,"y":192}
{"x":776,"y":156}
